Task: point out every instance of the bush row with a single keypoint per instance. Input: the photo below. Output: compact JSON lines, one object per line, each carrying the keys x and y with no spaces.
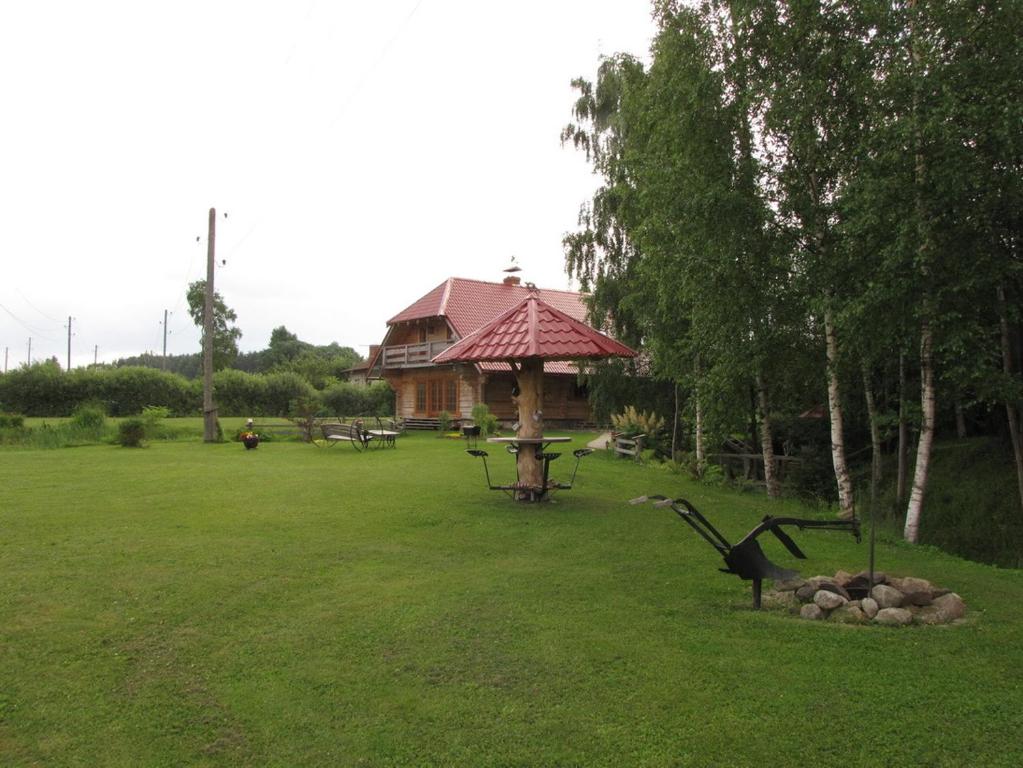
{"x":44,"y":390}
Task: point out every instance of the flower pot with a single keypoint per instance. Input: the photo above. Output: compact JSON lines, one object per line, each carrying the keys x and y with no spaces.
{"x":250,"y":442}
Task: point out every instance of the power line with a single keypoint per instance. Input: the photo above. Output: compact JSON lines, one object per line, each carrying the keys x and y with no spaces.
{"x":25,"y":325}
{"x":33,"y":306}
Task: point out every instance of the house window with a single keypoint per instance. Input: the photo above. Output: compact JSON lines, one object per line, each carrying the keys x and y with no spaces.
{"x":422,"y":333}
{"x":451,"y":399}
{"x":421,"y":398}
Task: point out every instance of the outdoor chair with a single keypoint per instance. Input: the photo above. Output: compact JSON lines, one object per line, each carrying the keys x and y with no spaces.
{"x":548,"y":487}
{"x":746,"y":559}
{"x":386,"y":437}
{"x":353,"y":434}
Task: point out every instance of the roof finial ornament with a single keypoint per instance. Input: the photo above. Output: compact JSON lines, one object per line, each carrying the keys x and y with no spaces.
{"x":531,"y":287}
{"x":513,"y":267}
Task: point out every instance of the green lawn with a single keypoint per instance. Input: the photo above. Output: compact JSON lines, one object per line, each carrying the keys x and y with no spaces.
{"x":191,"y":604}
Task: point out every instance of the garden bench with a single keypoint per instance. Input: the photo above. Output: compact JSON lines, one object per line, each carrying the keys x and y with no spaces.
{"x":346,"y":433}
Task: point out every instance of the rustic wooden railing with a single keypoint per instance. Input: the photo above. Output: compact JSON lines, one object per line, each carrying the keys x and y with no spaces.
{"x":413,"y":355}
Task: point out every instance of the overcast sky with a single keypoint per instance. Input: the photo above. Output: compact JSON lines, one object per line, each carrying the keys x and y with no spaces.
{"x":363,"y":151}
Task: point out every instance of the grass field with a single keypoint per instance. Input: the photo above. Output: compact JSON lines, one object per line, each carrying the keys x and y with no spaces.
{"x":190,"y":605}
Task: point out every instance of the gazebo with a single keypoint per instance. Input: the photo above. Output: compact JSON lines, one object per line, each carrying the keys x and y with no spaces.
{"x":524,"y":337}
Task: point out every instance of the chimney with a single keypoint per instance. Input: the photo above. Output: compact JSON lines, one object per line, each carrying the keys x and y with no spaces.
{"x":512,"y":280}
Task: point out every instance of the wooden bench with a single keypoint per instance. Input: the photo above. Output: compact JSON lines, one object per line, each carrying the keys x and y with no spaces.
{"x":354,"y":434}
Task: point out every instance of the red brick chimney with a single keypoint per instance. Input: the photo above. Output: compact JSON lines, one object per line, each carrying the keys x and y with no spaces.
{"x":512,"y":280}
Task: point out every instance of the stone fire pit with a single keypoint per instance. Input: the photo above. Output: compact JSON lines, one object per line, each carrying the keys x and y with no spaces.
{"x":843,"y":598}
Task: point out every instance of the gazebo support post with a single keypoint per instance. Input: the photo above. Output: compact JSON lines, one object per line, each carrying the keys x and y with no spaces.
{"x":529,"y":375}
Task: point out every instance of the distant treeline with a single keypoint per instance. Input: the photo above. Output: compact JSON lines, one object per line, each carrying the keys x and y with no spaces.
{"x":321,"y":366}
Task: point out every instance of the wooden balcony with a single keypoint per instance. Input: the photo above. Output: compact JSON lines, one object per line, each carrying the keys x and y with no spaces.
{"x":413,"y":355}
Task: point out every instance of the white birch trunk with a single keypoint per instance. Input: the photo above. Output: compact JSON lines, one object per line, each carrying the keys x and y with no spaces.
{"x":923,"y":450}
{"x":846,"y":507}
{"x":900,"y":484}
{"x":875,"y":439}
{"x":767,"y":439}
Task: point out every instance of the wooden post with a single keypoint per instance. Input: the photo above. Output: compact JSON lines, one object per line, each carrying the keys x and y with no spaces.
{"x":209,"y":411}
{"x":530,"y":403}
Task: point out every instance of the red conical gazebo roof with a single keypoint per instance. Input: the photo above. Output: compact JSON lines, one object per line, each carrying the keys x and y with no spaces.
{"x":533,"y":328}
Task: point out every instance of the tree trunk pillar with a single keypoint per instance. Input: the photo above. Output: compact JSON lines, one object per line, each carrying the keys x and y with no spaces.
{"x":530,"y":403}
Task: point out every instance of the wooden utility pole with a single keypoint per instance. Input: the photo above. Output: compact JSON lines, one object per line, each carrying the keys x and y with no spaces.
{"x":95,"y":354}
{"x":69,"y":342}
{"x":209,"y":411}
{"x":7,"y":351}
{"x":163,"y":365}
{"x":30,"y":350}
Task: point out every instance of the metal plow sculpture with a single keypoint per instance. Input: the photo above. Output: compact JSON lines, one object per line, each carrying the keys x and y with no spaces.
{"x":746,"y":559}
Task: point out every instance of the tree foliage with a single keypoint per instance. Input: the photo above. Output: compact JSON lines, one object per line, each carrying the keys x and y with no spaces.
{"x":225,"y":335}
{"x":794,"y":196}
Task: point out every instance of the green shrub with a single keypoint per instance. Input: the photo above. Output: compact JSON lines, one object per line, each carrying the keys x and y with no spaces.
{"x":303,"y":412}
{"x":131,"y":432}
{"x":89,"y":418}
{"x":12,"y":421}
{"x":484,"y":419}
{"x":347,"y":399}
{"x":12,"y":429}
{"x":43,"y":389}
{"x":154,"y":417}
{"x":444,"y":421}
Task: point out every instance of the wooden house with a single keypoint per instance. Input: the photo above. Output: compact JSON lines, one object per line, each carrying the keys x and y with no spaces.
{"x":451,"y":311}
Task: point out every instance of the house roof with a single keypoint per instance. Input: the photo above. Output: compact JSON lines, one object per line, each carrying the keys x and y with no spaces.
{"x":468,"y":305}
{"x":533,"y":328}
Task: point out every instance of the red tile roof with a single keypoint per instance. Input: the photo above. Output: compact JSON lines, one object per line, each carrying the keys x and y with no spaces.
{"x":468,"y":305}
{"x":533,"y":328}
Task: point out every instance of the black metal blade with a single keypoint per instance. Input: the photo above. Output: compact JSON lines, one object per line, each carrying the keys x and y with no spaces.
{"x":790,"y":545}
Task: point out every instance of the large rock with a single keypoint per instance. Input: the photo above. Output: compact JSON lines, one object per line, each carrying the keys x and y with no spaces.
{"x":879,"y":576}
{"x":869,"y":607}
{"x":789,"y":585}
{"x":828,"y":600}
{"x":812,"y":611}
{"x":786,"y":600}
{"x":830,"y":585}
{"x":943,"y":610}
{"x":894,"y":617}
{"x":886,"y":596}
{"x":909,"y":585}
{"x":806,"y":592}
{"x":842,"y":578}
{"x":848,"y":614}
{"x":918,"y":598}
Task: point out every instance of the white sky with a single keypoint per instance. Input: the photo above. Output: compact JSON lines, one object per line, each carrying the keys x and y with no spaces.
{"x":364,"y":152}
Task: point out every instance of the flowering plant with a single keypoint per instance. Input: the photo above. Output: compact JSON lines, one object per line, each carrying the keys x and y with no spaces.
{"x":247,"y":435}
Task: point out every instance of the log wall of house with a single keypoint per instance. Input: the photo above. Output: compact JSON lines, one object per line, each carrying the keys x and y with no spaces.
{"x":411,"y":333}
{"x":563,"y":401}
